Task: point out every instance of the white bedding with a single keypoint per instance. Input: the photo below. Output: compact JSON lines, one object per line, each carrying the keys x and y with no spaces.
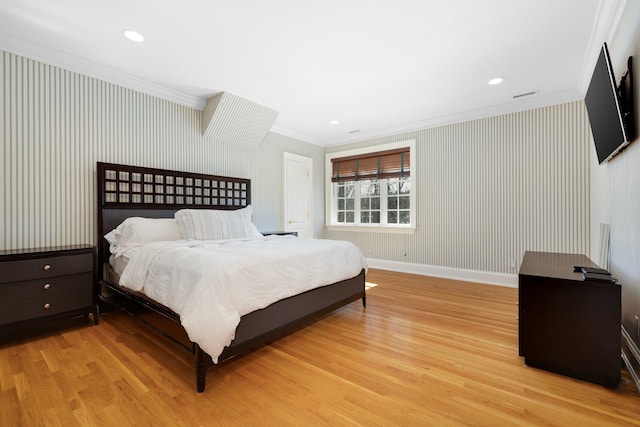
{"x":118,"y":263}
{"x":211,"y":284}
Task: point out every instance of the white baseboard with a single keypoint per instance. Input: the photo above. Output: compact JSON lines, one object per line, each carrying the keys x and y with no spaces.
{"x":500,"y":279}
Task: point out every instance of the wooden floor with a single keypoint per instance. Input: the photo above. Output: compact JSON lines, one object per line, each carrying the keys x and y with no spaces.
{"x":425,"y":351}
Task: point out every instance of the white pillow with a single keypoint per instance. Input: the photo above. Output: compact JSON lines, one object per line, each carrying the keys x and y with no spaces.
{"x":135,"y":231}
{"x":202,"y":224}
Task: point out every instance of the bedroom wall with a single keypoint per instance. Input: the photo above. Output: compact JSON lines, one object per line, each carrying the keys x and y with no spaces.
{"x":616,"y":184}
{"x":56,"y":124}
{"x":487,"y":190}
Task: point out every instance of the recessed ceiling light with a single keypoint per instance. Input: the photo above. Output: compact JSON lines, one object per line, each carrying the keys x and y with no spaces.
{"x":134,"y":36}
{"x":496,"y":81}
{"x":334,"y":122}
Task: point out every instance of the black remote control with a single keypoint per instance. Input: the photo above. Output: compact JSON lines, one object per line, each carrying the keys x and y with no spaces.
{"x":599,"y":277}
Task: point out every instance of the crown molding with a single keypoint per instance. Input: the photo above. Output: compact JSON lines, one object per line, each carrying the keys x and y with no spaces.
{"x":536,"y":101}
{"x":58,"y":58}
{"x":515,"y":106}
{"x":609,"y":15}
{"x":291,"y":133}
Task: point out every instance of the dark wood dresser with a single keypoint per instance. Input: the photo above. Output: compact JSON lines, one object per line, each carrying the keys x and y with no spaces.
{"x":566,"y":324}
{"x":38,"y":285}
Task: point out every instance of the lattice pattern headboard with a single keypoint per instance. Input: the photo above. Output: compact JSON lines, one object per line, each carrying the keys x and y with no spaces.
{"x":125,"y":191}
{"x":131,"y":186}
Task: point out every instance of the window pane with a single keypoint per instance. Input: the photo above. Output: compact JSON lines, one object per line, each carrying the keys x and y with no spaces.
{"x":364,"y":203}
{"x":392,"y":217}
{"x":340,"y":216}
{"x":350,"y":204}
{"x":375,"y":217}
{"x":392,"y":202}
{"x":370,"y":187}
{"x":350,"y":216}
{"x":375,"y":203}
{"x":366,"y":187}
{"x":405,"y":217}
{"x":340,"y":204}
{"x":364,"y":217}
{"x":349,"y":189}
{"x":404,"y":202}
{"x":392,"y":186}
{"x":340,"y":190}
{"x":405,"y":186}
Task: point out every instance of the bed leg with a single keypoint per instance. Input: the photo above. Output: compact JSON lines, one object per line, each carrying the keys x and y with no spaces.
{"x":201,"y":368}
{"x":364,"y":301}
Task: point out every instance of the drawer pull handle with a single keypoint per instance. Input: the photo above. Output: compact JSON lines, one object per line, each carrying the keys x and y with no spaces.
{"x":46,"y":286}
{"x":46,"y":267}
{"x":47,"y":306}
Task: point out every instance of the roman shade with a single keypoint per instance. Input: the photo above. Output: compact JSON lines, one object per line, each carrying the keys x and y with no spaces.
{"x":375,"y":165}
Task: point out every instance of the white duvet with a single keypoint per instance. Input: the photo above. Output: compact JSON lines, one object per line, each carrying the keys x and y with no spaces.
{"x":211,"y":284}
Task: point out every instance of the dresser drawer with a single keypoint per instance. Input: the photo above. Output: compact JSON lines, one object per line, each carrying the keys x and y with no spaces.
{"x":45,"y":306}
{"x":37,"y":268}
{"x":16,"y":291}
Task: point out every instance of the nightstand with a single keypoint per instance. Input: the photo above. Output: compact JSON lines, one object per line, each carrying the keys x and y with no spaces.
{"x":43,"y":284}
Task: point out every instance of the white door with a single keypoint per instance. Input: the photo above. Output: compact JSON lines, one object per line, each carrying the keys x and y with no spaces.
{"x":298,"y":194}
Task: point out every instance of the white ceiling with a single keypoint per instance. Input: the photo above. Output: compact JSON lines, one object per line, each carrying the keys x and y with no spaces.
{"x":377,"y":66}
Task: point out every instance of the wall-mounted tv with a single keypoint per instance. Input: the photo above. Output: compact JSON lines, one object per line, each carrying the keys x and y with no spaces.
{"x":610,"y":108}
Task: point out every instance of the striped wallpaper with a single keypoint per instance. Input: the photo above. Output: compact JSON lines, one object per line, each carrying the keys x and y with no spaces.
{"x":55,"y":125}
{"x":231,"y":119}
{"x":487,"y":190}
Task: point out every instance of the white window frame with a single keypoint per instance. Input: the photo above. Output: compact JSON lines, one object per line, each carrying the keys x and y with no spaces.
{"x":330,"y":202}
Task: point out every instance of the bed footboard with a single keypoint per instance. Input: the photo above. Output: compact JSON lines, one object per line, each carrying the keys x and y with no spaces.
{"x":282,"y":318}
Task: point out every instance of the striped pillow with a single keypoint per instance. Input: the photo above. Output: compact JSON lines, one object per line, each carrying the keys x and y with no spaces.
{"x":203,"y":224}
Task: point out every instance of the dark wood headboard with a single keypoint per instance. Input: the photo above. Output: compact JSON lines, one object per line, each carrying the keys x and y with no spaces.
{"x":125,"y":191}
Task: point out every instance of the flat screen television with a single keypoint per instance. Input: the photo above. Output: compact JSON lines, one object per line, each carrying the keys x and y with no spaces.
{"x":606,"y":113}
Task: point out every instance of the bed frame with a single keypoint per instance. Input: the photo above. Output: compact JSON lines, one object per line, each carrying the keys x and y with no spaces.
{"x":126,"y":191}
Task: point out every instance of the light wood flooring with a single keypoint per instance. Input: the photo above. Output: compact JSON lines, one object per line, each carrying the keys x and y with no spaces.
{"x":425,"y":352}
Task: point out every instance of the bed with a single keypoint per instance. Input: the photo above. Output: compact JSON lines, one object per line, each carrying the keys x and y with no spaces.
{"x":130,"y":192}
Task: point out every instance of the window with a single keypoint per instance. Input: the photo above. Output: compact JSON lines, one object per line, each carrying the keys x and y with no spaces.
{"x":372,"y":189}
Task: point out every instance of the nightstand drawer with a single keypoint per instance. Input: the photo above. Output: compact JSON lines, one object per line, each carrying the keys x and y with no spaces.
{"x":15,"y":271}
{"x":45,"y":306}
{"x":17,"y":291}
